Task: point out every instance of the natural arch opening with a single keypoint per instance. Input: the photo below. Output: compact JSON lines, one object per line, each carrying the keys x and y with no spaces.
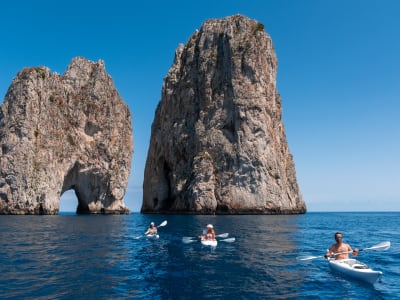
{"x":68,"y":201}
{"x":89,"y":187}
{"x":73,"y":184}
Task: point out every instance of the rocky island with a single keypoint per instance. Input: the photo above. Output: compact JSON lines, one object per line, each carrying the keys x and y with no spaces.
{"x":64,"y":132}
{"x":218,"y":143}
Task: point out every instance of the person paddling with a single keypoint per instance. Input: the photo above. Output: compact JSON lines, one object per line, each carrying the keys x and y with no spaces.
{"x":340,"y":250}
{"x":152,"y":229}
{"x":209,"y":234}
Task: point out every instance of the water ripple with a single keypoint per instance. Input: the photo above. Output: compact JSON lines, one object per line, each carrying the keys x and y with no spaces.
{"x":107,"y":257}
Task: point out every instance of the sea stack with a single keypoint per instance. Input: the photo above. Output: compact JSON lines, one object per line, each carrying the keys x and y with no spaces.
{"x":64,"y":132}
{"x":218,"y":143}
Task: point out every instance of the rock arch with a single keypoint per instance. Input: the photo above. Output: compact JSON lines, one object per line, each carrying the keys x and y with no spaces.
{"x":64,"y":132}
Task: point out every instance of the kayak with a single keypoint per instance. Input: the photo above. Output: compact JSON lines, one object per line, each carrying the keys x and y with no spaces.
{"x":152,"y":236}
{"x":212,"y":243}
{"x":355,"y":269}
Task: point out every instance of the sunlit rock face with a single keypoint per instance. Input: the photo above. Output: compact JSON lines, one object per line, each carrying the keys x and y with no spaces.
{"x":218,"y":144}
{"x":63,"y":132}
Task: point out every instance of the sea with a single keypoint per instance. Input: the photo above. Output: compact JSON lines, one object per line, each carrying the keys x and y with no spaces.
{"x":71,"y":256}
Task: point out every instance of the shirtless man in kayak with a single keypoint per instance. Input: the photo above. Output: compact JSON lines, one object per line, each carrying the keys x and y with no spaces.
{"x":152,"y":229}
{"x":340,"y":247}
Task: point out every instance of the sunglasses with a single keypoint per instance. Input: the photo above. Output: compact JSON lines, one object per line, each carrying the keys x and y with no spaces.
{"x":338,"y":237}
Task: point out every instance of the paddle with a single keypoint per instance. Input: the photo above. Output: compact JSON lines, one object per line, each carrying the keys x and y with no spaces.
{"x":228,"y":240}
{"x":222,"y":235}
{"x":163,"y":223}
{"x":380,"y":246}
{"x":188,"y":240}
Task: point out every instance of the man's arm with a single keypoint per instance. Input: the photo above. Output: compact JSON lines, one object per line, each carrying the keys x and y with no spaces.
{"x":329,"y":252}
{"x":353,"y":252}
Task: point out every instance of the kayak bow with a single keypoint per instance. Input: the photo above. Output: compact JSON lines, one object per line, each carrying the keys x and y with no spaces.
{"x":152,"y":236}
{"x":212,"y":243}
{"x":355,"y":269}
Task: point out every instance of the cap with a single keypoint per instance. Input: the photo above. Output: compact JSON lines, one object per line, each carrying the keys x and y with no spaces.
{"x":152,"y":223}
{"x":210,"y":226}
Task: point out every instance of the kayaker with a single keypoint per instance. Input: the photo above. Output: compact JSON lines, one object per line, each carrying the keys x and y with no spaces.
{"x":340,"y":250}
{"x":209,"y":234}
{"x":152,"y":229}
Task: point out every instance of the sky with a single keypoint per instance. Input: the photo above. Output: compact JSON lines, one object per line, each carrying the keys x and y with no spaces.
{"x":338,"y":77}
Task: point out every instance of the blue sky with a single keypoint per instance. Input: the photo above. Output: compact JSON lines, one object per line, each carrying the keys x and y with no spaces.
{"x":338,"y":76}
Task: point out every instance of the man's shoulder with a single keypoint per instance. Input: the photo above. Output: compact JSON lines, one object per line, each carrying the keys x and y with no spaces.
{"x":333,"y":247}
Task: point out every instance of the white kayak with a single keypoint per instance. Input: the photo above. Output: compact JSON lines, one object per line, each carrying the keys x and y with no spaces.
{"x":355,"y":269}
{"x":152,"y":236}
{"x":212,"y":243}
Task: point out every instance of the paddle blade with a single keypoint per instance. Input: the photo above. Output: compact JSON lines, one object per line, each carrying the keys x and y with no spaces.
{"x":163,"y":224}
{"x":187,"y":240}
{"x":306,"y":258}
{"x":222,"y":235}
{"x":228,"y":240}
{"x":380,"y":246}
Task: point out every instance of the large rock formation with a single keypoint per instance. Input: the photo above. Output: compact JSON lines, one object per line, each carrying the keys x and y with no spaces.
{"x":64,"y":132}
{"x":218,"y":143}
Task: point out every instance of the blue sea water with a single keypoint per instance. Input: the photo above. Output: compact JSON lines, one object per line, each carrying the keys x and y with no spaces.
{"x":107,"y":257}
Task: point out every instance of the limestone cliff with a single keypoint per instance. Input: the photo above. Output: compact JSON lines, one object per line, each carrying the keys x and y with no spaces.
{"x":218,"y":143}
{"x":64,"y":132}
